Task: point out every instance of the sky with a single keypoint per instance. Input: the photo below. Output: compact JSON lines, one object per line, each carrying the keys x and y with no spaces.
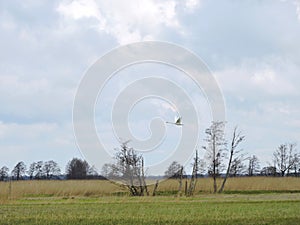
{"x":251,"y":47}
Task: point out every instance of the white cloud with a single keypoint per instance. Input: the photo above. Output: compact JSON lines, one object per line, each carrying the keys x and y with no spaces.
{"x":269,"y":77}
{"x":269,"y":81}
{"x":128,"y":21}
{"x":262,"y":98}
{"x":80,"y":9}
{"x":46,"y":47}
{"x":192,"y":4}
{"x":297,"y":4}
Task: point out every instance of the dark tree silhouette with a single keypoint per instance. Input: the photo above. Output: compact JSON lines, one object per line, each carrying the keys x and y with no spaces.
{"x":31,"y":170}
{"x":268,"y":171}
{"x":4,"y":173}
{"x":254,"y":165}
{"x":19,"y":170}
{"x":238,"y":167}
{"x":77,"y":169}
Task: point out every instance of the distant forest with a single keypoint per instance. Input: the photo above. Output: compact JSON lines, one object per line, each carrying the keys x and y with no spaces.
{"x":50,"y":170}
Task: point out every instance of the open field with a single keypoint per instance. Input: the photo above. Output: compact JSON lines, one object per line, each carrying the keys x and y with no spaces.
{"x":248,"y":200}
{"x":19,"y":189}
{"x":203,"y":209}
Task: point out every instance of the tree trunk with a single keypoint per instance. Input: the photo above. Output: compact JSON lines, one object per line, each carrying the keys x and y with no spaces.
{"x":215,"y":183}
{"x":214,"y":165}
{"x":144,"y":179}
{"x":236,"y":139}
{"x":180,"y":181}
{"x":228,"y":169}
{"x":155,"y":188}
{"x":194,"y":176}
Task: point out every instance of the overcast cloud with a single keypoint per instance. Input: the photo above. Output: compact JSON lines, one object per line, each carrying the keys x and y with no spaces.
{"x":252,"y":47}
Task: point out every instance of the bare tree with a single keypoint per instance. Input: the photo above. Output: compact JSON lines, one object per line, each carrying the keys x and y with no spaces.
{"x":110,"y":170}
{"x":254,"y":165}
{"x":296,"y":167}
{"x":174,"y":170}
{"x":4,"y":173}
{"x":285,"y":157}
{"x":215,"y":150}
{"x":202,"y":167}
{"x":19,"y":170}
{"x":237,"y":167}
{"x":130,"y":168}
{"x":235,"y":155}
{"x":50,"y":169}
{"x":294,"y":157}
{"x":39,"y":170}
{"x":31,"y":170}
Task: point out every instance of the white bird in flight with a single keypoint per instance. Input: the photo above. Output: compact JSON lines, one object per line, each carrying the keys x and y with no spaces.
{"x":177,"y":122}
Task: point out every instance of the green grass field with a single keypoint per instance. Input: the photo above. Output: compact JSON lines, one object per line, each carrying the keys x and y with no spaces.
{"x":203,"y":209}
{"x":257,"y":200}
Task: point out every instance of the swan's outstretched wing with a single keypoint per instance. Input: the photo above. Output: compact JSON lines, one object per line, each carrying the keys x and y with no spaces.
{"x":178,"y":121}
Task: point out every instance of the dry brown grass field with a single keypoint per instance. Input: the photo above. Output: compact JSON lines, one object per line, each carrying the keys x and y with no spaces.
{"x":19,"y":189}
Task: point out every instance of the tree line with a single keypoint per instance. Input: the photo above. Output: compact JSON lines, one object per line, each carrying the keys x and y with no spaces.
{"x":223,"y":158}
{"x":75,"y":169}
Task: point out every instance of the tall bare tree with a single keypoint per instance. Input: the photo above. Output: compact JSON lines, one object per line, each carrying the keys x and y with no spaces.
{"x":254,"y":165}
{"x":215,"y":150}
{"x":285,"y":157}
{"x":235,"y":155}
